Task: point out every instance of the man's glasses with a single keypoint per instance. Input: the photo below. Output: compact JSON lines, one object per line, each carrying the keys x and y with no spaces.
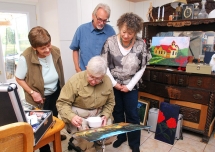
{"x":101,"y":20}
{"x":97,"y":80}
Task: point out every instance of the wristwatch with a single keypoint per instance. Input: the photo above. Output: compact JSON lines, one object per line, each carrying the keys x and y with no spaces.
{"x":31,"y":92}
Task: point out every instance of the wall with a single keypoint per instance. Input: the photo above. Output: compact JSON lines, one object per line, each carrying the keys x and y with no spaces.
{"x":76,"y":12}
{"x":62,"y":17}
{"x":47,"y":14}
{"x":73,"y":13}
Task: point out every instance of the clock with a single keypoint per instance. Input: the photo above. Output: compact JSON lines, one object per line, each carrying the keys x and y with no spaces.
{"x":187,"y":12}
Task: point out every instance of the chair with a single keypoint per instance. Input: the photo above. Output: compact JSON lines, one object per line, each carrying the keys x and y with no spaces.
{"x":16,"y":137}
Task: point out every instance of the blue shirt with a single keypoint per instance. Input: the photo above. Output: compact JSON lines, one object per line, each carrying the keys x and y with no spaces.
{"x":89,"y":41}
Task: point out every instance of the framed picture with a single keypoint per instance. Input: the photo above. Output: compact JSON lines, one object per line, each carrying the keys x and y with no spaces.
{"x":143,"y":108}
{"x":170,"y":51}
{"x":187,"y":12}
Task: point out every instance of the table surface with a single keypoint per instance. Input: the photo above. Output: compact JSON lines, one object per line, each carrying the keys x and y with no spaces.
{"x":52,"y":135}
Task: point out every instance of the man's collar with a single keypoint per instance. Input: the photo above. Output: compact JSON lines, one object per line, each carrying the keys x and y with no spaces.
{"x":92,"y":28}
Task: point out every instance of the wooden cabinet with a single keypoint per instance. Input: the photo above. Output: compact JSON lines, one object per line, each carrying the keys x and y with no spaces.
{"x":194,"y":93}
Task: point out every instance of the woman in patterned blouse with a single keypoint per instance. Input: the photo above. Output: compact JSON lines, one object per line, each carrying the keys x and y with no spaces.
{"x":127,"y":57}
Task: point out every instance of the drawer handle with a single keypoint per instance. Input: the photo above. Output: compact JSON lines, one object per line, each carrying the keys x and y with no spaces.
{"x":143,"y":86}
{"x":181,"y":81}
{"x":197,"y":96}
{"x":154,"y":77}
{"x":199,"y":82}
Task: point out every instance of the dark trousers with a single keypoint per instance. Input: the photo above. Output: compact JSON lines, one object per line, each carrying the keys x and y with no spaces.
{"x":125,"y":110}
{"x":50,"y":104}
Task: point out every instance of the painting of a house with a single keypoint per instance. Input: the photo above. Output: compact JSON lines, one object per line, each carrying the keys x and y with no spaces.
{"x":172,"y":51}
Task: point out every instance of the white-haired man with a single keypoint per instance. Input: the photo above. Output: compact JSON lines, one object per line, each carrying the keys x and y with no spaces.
{"x":87,"y":93}
{"x":90,"y":37}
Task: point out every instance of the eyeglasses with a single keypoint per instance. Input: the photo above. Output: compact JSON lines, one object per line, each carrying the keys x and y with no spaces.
{"x":101,"y":20}
{"x":97,"y":80}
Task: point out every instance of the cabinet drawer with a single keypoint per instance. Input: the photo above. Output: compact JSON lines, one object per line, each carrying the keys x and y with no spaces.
{"x":169,"y":78}
{"x":193,"y":114}
{"x":173,"y":92}
{"x":146,"y":75}
{"x":202,"y":82}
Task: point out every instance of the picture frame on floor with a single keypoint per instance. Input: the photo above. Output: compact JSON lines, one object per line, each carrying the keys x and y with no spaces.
{"x":143,"y":108}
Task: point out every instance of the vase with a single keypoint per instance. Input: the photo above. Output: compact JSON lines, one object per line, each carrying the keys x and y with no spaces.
{"x":196,"y":10}
{"x":203,"y":14}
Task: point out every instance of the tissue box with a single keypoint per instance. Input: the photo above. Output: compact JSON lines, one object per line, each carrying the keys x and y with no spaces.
{"x":198,"y":68}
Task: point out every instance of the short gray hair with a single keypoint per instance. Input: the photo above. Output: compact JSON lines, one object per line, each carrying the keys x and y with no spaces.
{"x":97,"y":66}
{"x":104,"y":7}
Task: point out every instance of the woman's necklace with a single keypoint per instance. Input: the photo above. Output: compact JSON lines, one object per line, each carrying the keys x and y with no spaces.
{"x":125,"y":46}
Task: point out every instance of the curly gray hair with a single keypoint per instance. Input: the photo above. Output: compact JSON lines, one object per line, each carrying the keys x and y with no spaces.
{"x":97,"y":66}
{"x":132,"y":21}
{"x":103,"y":6}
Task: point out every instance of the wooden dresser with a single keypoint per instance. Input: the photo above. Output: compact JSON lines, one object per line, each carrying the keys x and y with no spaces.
{"x":194,"y":93}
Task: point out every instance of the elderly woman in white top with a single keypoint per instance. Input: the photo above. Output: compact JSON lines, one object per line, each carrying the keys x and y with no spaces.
{"x":127,"y":57}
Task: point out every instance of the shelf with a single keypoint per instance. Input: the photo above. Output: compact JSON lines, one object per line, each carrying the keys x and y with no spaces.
{"x":150,"y":29}
{"x":181,"y":22}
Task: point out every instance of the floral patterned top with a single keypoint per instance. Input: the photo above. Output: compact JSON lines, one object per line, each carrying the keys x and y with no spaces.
{"x":123,"y":68}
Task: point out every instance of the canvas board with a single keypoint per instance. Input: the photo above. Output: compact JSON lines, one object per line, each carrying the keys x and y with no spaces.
{"x":170,"y":51}
{"x":167,"y":122}
{"x":143,"y":108}
{"x":104,"y":132}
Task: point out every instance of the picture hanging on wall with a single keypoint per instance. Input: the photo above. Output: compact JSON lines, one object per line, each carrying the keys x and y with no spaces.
{"x":170,"y":51}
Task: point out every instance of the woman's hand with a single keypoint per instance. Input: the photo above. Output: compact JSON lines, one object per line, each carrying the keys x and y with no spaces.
{"x":37,"y":97}
{"x":118,"y":86}
{"x":77,"y":121}
{"x":124,"y":89}
{"x":104,"y":120}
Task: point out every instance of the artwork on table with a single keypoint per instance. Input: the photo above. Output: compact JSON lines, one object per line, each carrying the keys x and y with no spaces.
{"x":104,"y":132}
{"x":143,"y":108}
{"x":167,"y":122}
{"x":171,"y":51}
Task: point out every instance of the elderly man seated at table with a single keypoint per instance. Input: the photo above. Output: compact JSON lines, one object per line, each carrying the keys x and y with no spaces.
{"x":87,"y":93}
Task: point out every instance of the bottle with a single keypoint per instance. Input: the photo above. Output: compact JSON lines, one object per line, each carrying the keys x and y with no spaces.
{"x":196,"y":11}
{"x":203,"y":14}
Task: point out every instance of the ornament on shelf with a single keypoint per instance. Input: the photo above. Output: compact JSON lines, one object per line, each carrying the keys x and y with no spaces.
{"x":196,"y":10}
{"x":149,"y":14}
{"x":203,"y":14}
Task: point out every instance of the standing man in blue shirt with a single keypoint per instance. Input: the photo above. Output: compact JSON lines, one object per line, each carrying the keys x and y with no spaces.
{"x":90,"y":37}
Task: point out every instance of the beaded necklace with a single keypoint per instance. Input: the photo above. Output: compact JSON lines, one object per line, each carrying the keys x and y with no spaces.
{"x":125,"y":45}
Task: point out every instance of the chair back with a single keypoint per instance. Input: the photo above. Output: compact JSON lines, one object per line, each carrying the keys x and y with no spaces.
{"x":16,"y":137}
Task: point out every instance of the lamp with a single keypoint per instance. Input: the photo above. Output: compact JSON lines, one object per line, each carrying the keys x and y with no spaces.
{"x":178,"y":9}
